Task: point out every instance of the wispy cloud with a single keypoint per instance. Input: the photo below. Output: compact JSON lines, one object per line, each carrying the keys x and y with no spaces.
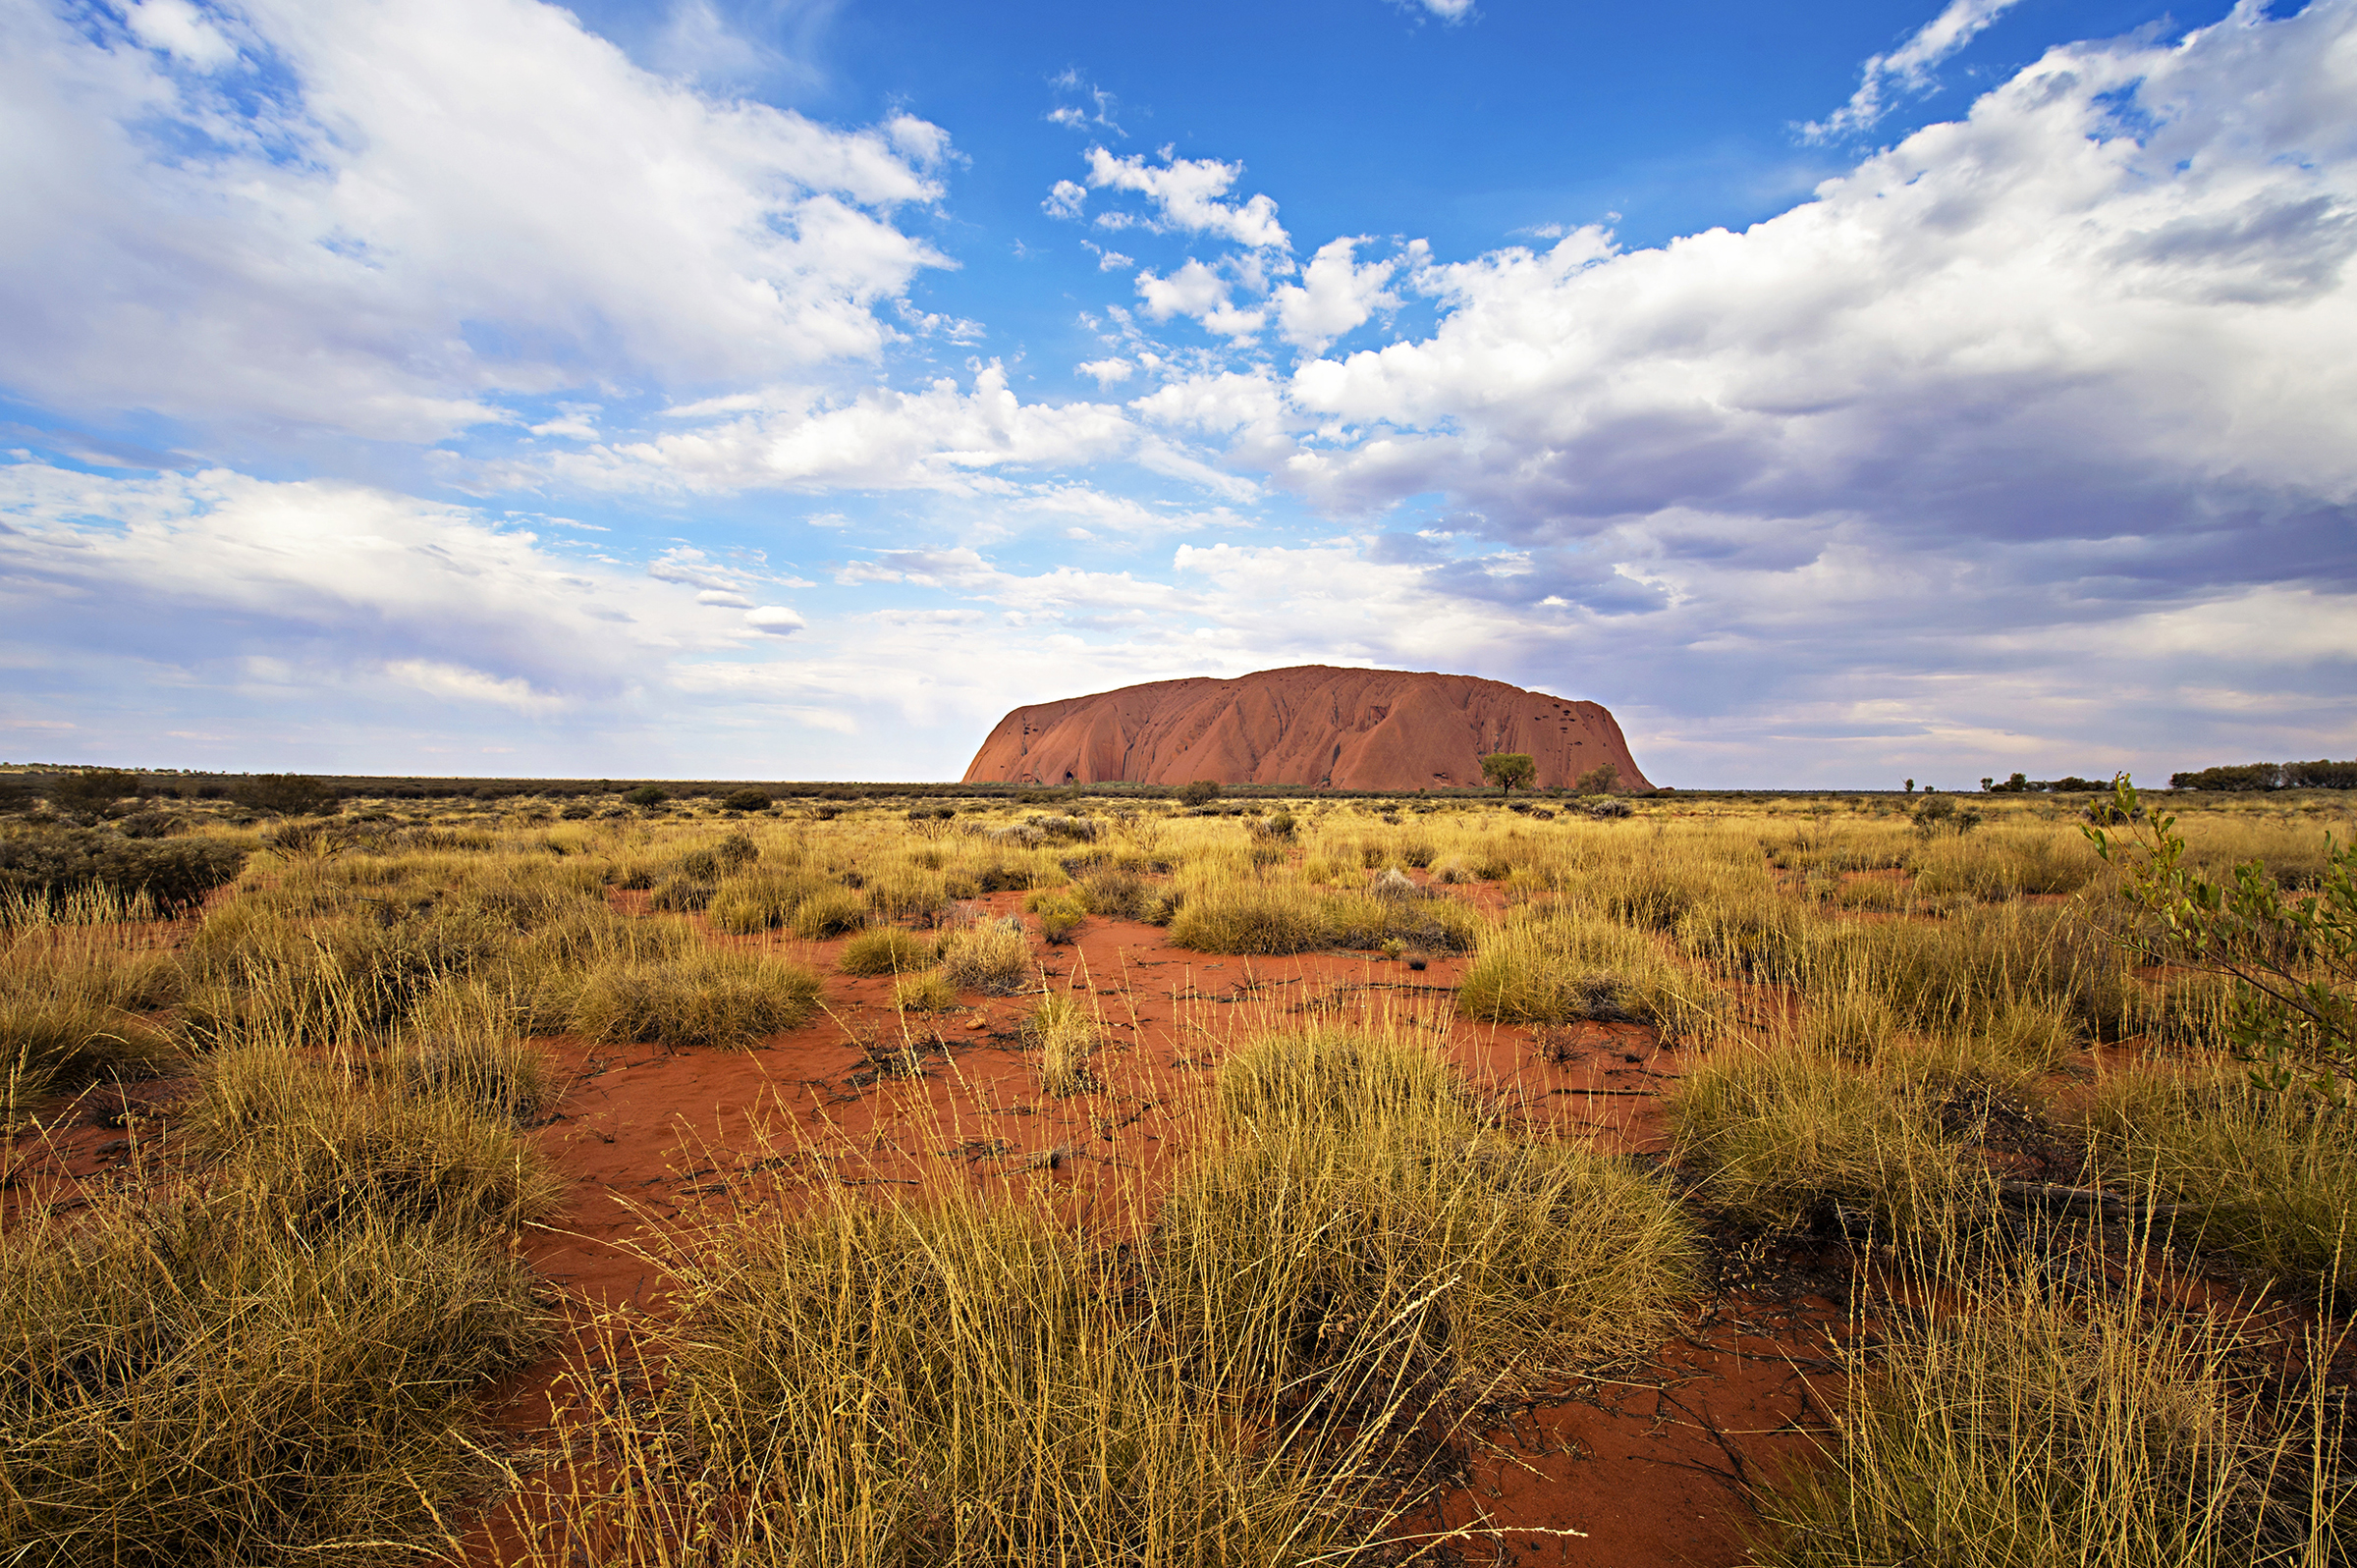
{"x":1906,"y":70}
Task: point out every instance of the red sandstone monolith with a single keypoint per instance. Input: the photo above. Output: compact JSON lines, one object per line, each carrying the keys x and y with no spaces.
{"x":1315,"y":726}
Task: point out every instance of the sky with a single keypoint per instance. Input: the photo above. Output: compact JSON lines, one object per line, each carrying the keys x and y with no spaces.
{"x":784,"y":389}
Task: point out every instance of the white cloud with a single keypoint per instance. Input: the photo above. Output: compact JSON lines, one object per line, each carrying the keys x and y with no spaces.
{"x":457,"y":684}
{"x":178,"y":29}
{"x":445,"y":205}
{"x":1106,"y":373}
{"x":1185,"y":192}
{"x":1908,"y":68}
{"x":2114,"y":302}
{"x":1195,"y":290}
{"x":1336,"y":294}
{"x":1065,"y":200}
{"x":938,"y":439}
{"x":190,"y":567}
{"x":1449,"y":10}
{"x":775,"y":620}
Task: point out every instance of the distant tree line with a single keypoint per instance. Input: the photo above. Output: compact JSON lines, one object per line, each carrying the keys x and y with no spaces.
{"x":2021,"y":784}
{"x":2257,"y":775}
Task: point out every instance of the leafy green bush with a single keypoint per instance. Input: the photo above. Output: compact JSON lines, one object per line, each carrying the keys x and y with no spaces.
{"x":645,"y":795}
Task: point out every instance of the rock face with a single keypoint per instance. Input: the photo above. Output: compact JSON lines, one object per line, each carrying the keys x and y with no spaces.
{"x":1314,"y":726}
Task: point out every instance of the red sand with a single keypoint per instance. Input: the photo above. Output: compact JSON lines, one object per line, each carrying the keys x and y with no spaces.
{"x":1647,"y":1467}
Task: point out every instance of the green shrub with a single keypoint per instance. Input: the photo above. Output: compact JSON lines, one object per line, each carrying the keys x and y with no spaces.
{"x":287,"y":793}
{"x":746,"y":800}
{"x":645,"y":795}
{"x":48,"y":863}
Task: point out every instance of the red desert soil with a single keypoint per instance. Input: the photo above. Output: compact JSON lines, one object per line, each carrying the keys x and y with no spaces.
{"x":1313,"y":726}
{"x":1647,"y":1465}
{"x":1644,"y":1469}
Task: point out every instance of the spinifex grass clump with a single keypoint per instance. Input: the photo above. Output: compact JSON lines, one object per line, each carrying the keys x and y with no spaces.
{"x":2012,"y":1417}
{"x":990,"y":956}
{"x":908,"y":1384}
{"x":1068,"y":1035}
{"x":74,"y":1005}
{"x":270,"y":1355}
{"x":1262,"y":919}
{"x":1355,"y":1222}
{"x":1784,"y":1134}
{"x":727,"y":999}
{"x":884,"y":950}
{"x":189,"y":1383}
{"x":2269,"y":1177}
{"x":1555,"y":967}
{"x":424,"y":1138}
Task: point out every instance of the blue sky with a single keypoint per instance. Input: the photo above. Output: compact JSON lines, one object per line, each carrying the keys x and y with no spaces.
{"x":1842,"y":394}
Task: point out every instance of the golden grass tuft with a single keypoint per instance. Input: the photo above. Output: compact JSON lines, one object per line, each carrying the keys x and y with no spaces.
{"x":990,"y":956}
{"x":723,"y":1000}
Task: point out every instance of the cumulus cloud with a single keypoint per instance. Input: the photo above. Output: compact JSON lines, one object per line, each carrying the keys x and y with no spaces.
{"x":942,"y":438}
{"x":1336,"y":294}
{"x":1186,"y":192}
{"x":414,"y":214}
{"x":191,"y":567}
{"x":1907,"y":70}
{"x":2113,"y":302}
{"x":1197,"y":291}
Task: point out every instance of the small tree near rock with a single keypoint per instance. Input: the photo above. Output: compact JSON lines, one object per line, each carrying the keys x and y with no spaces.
{"x":1601,"y":780}
{"x":1202,"y":792}
{"x":1507,"y":768}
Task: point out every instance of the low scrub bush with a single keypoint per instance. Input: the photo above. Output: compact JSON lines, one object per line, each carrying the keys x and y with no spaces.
{"x":172,"y":874}
{"x":723,"y":1000}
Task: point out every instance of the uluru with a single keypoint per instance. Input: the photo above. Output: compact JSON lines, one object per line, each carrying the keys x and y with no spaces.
{"x":1314,"y":726}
